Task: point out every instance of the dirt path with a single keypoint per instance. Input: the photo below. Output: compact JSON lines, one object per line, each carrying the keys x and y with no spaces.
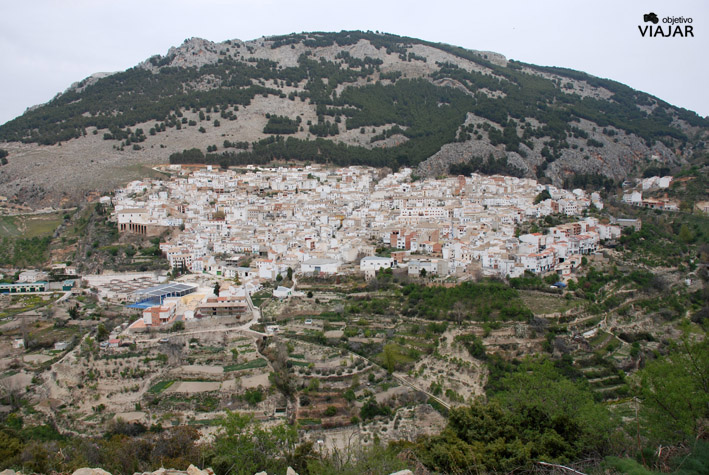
{"x":41,"y":211}
{"x":403,"y":380}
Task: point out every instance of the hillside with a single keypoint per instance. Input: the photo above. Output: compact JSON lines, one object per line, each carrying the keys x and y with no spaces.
{"x":342,"y":98}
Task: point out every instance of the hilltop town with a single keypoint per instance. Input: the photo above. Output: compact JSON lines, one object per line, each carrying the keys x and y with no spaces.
{"x":361,"y":306}
{"x":315,"y":220}
{"x":393,"y":254}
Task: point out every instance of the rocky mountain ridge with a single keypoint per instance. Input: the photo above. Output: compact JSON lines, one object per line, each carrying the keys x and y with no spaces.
{"x":344,"y":98}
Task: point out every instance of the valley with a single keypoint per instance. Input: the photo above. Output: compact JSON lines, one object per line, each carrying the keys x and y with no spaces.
{"x":353,"y":252}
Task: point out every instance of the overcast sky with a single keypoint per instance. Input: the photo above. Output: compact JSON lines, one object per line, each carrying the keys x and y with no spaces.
{"x":45,"y":45}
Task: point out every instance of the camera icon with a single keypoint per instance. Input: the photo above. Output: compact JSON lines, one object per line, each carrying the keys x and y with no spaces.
{"x":651,"y":17}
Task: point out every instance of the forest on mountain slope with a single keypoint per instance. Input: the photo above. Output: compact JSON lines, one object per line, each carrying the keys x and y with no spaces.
{"x":518,"y":101}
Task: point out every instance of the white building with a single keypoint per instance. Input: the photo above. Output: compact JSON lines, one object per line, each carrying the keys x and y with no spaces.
{"x":374,"y":263}
{"x":608,"y":231}
{"x":267,"y":269}
{"x":31,"y":276}
{"x":319,"y":266}
{"x":634,"y":198}
{"x":539,"y":261}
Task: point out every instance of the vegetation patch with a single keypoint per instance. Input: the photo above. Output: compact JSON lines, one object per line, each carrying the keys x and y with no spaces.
{"x":29,"y":226}
{"x":544,"y":303}
{"x":481,"y":301}
{"x":255,"y":363}
{"x":160,"y":387}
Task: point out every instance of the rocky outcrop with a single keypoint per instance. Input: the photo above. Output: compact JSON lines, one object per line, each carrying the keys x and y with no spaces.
{"x":89,"y":81}
{"x":618,"y":155}
{"x":193,"y":53}
{"x":191,"y":470}
{"x":90,"y":471}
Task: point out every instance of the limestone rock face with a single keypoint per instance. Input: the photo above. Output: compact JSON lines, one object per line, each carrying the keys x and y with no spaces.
{"x":90,"y":471}
{"x":191,"y":470}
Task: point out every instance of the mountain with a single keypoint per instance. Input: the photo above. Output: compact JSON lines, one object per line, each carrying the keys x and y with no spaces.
{"x":344,"y":98}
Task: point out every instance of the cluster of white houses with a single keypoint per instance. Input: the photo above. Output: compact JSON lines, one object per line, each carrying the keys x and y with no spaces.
{"x":635,"y":197}
{"x":327,"y":221}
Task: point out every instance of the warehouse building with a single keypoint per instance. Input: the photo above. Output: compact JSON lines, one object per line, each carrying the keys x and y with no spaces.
{"x":151,"y":296}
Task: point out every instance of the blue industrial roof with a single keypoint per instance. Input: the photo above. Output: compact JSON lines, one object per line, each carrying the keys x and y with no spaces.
{"x":164,"y":289}
{"x":142,"y":305}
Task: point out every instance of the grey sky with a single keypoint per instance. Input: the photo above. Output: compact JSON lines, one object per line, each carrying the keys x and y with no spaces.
{"x":45,"y":45}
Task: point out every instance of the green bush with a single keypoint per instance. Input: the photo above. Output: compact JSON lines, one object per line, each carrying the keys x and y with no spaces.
{"x":537,"y":415}
{"x":480,"y":301}
{"x":253,"y":396}
{"x":371,"y":409}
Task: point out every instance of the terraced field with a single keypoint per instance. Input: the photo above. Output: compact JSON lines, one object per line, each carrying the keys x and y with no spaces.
{"x":27,"y":226}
